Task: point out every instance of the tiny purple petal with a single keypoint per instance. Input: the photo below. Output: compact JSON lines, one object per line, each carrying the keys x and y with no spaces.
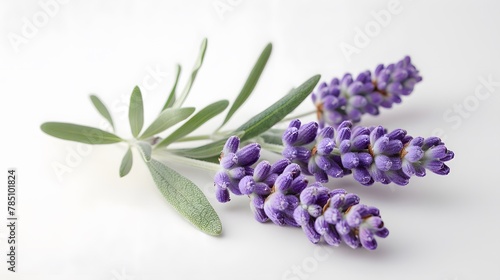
{"x":290,"y":135}
{"x":301,"y":216}
{"x":283,"y":181}
{"x":393,"y":147}
{"x":398,"y":177}
{"x":261,"y":188}
{"x":231,"y":145}
{"x":246,"y":185}
{"x":307,"y":133}
{"x":280,"y":165}
{"x":311,"y":233}
{"x":262,"y":170}
{"x":325,"y":146}
{"x":344,"y":134}
{"x":260,"y":215}
{"x":350,"y":160}
{"x":365,"y":159}
{"x":228,"y":161}
{"x":383,"y":162}
{"x":361,"y":142}
{"x":367,"y":239}
{"x":332,"y":216}
{"x":397,"y":134}
{"x":249,"y":154}
{"x":237,"y":173}
{"x":414,"y":153}
{"x":362,"y":175}
{"x":222,"y":194}
{"x":327,"y":132}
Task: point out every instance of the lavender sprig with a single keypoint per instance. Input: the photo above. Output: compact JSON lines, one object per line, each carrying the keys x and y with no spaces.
{"x":280,"y":192}
{"x":349,"y":98}
{"x":369,"y":153}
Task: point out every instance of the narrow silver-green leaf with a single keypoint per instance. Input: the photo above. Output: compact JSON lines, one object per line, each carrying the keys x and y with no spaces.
{"x":185,"y":197}
{"x":171,"y":96}
{"x":126,"y":164}
{"x":195,"y":121}
{"x":101,"y":108}
{"x":79,"y":133}
{"x":277,"y":111}
{"x":251,"y":82}
{"x":166,"y":119}
{"x":178,"y":103}
{"x":205,"y":151}
{"x":136,"y":112}
{"x":145,"y":150}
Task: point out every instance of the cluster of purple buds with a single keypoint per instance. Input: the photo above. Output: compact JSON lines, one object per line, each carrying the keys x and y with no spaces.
{"x":349,"y":98}
{"x":236,"y":163}
{"x":337,"y":216}
{"x":371,"y":154}
{"x":280,"y":193}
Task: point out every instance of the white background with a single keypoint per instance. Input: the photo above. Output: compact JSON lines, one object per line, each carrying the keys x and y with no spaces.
{"x":90,"y":224}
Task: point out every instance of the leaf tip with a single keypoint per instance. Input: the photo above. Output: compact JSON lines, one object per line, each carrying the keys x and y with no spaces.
{"x":43,"y":126}
{"x":216,"y":231}
{"x":269,"y":46}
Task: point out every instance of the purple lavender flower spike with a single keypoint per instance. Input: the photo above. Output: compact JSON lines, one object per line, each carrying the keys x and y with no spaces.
{"x":350,"y":99}
{"x":370,"y":154}
{"x":235,"y":166}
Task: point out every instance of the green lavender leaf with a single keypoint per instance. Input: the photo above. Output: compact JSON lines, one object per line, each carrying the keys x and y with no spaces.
{"x":178,"y":103}
{"x":145,"y":150}
{"x":195,"y":121}
{"x":185,"y":197}
{"x":205,"y":151}
{"x":171,"y":96}
{"x":79,"y":133}
{"x":101,"y":108}
{"x":126,"y":164}
{"x":251,"y":82}
{"x":166,"y":119}
{"x":277,"y":111}
{"x":136,"y":112}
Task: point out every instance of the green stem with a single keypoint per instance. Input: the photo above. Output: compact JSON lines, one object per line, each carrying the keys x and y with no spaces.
{"x":187,"y":161}
{"x":195,"y":138}
{"x":298,"y":116}
{"x":336,"y":152}
{"x":270,"y":147}
{"x":215,"y":136}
